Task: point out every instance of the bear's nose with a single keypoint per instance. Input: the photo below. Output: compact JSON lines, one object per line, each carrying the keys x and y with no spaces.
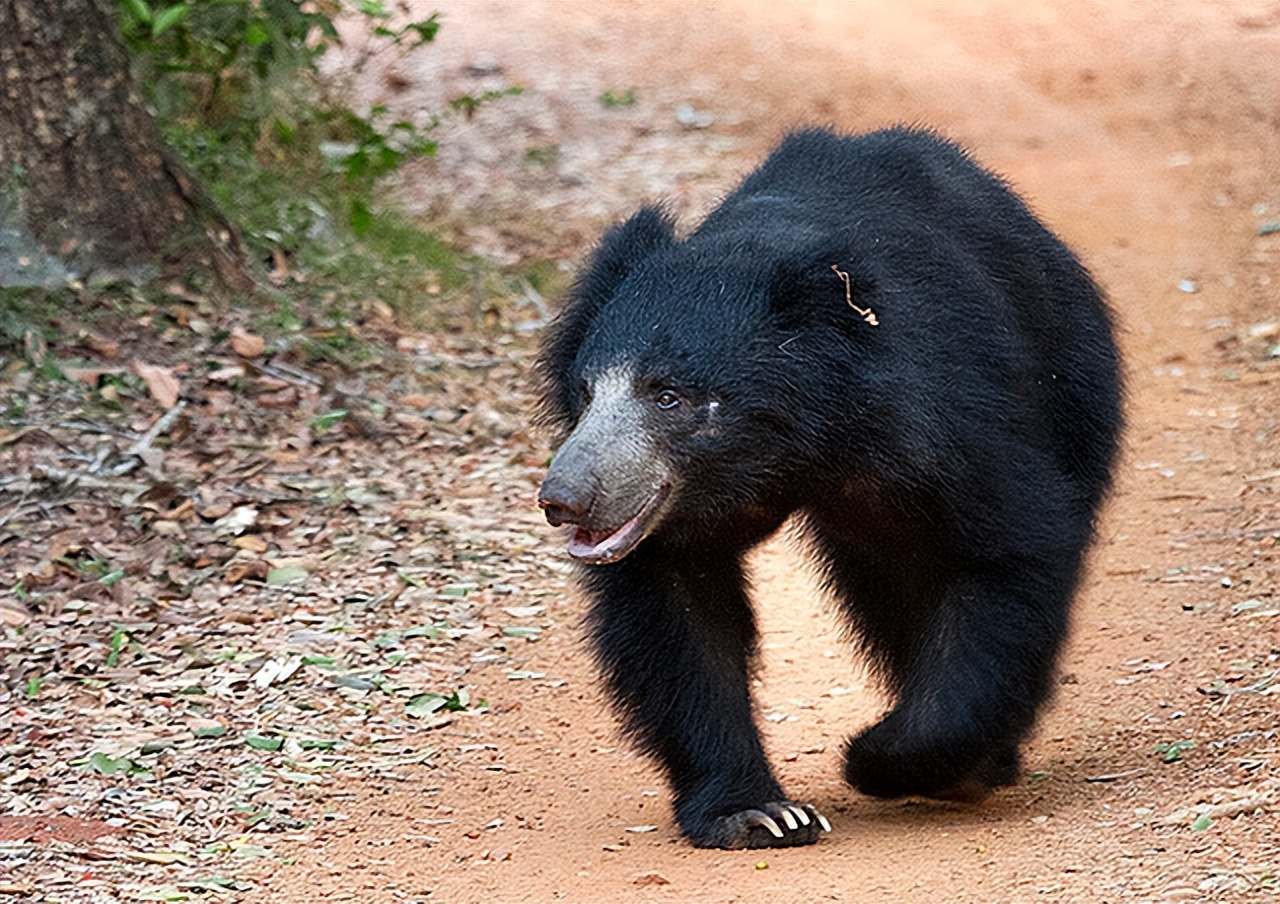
{"x":561,"y":508}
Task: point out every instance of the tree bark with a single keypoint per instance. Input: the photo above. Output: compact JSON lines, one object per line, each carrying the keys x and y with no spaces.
{"x":94,"y":181}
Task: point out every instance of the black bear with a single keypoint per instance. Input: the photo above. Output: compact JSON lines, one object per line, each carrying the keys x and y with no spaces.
{"x":872,"y":335}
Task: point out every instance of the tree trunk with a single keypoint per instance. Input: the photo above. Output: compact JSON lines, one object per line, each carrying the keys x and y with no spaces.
{"x":94,"y":183}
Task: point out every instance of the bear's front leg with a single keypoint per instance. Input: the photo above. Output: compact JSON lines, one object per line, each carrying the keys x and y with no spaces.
{"x":675,"y":635}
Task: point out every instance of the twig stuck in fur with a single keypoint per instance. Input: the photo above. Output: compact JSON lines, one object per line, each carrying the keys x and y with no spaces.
{"x":866,"y":313}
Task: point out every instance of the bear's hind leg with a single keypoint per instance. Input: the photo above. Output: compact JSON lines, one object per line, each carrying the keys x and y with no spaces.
{"x":675,"y":634}
{"x":980,"y":671}
{"x":967,"y":647}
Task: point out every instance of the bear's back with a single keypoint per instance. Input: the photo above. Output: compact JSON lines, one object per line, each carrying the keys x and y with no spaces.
{"x":943,"y":237}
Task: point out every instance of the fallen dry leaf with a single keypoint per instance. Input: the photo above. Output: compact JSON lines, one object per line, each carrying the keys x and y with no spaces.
{"x":246,"y":344}
{"x":650,"y":879}
{"x":13,"y":612}
{"x":251,"y":542}
{"x":161,"y":383}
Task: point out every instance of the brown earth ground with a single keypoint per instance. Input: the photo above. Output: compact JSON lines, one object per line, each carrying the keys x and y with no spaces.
{"x":1147,"y":135}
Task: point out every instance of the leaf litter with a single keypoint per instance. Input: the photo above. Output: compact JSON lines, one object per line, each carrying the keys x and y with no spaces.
{"x":217,"y":605}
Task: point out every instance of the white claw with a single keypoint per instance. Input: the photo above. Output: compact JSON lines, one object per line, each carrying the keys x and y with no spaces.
{"x":822,"y":821}
{"x":801,"y":815}
{"x":789,"y":818}
{"x":768,"y":823}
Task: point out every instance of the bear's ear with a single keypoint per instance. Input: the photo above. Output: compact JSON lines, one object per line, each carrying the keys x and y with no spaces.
{"x":825,"y":289}
{"x":621,"y":250}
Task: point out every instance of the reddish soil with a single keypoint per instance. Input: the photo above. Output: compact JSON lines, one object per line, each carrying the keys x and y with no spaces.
{"x":1147,"y":135}
{"x":65,"y":829}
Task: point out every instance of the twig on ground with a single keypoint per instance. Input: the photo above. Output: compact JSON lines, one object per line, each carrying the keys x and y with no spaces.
{"x":88,"y":481}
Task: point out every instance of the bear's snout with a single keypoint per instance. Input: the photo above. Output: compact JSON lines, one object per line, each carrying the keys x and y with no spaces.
{"x":560,"y":511}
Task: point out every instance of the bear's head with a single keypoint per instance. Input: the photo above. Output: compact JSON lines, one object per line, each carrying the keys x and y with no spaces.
{"x":681,"y":381}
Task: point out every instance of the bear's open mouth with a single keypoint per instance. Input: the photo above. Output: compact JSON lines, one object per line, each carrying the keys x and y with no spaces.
{"x":602,"y":547}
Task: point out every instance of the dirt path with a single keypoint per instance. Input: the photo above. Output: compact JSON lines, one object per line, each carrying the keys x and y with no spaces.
{"x":1146,"y":134}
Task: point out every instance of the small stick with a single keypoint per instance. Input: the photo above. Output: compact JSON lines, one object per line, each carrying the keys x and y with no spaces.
{"x":136,"y":453}
{"x":87,"y":481}
{"x":866,"y":313}
{"x":163,"y":424}
{"x":1116,"y":776}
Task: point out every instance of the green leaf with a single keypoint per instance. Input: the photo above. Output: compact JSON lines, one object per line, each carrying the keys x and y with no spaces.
{"x":210,"y":731}
{"x":521,"y":631}
{"x":1171,"y":753}
{"x":111,"y":577}
{"x":323,"y":422}
{"x":117,"y":644}
{"x":33,"y":686}
{"x":285,"y":131}
{"x":426,"y":704}
{"x":139,"y":10}
{"x":425,"y":30}
{"x":255,"y":35}
{"x":355,"y":165}
{"x":420,"y":705}
{"x":263,"y":742}
{"x":1201,"y":823}
{"x":361,"y":217}
{"x":167,"y":19}
{"x":106,"y":765}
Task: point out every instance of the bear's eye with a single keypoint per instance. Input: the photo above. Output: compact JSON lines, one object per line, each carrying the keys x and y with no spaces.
{"x":668,"y":399}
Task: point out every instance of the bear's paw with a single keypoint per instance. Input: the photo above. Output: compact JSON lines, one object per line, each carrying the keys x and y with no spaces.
{"x":781,"y":823}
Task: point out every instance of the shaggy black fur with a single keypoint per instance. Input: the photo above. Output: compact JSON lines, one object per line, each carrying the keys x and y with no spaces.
{"x":947,"y":462}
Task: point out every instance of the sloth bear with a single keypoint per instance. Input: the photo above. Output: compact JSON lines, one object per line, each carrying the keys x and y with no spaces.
{"x":874,"y":336}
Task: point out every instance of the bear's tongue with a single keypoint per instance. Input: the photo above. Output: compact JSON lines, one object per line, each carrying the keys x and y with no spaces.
{"x":602,"y":547}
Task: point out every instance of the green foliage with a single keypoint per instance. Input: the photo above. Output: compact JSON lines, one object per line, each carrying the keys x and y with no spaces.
{"x":328,"y":419}
{"x":238,"y":91}
{"x":1172,"y":752}
{"x":237,"y":86}
{"x":612,"y":99}
{"x":468,"y":104}
{"x":103,"y":764}
{"x":264,"y":742}
{"x":420,"y":705}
